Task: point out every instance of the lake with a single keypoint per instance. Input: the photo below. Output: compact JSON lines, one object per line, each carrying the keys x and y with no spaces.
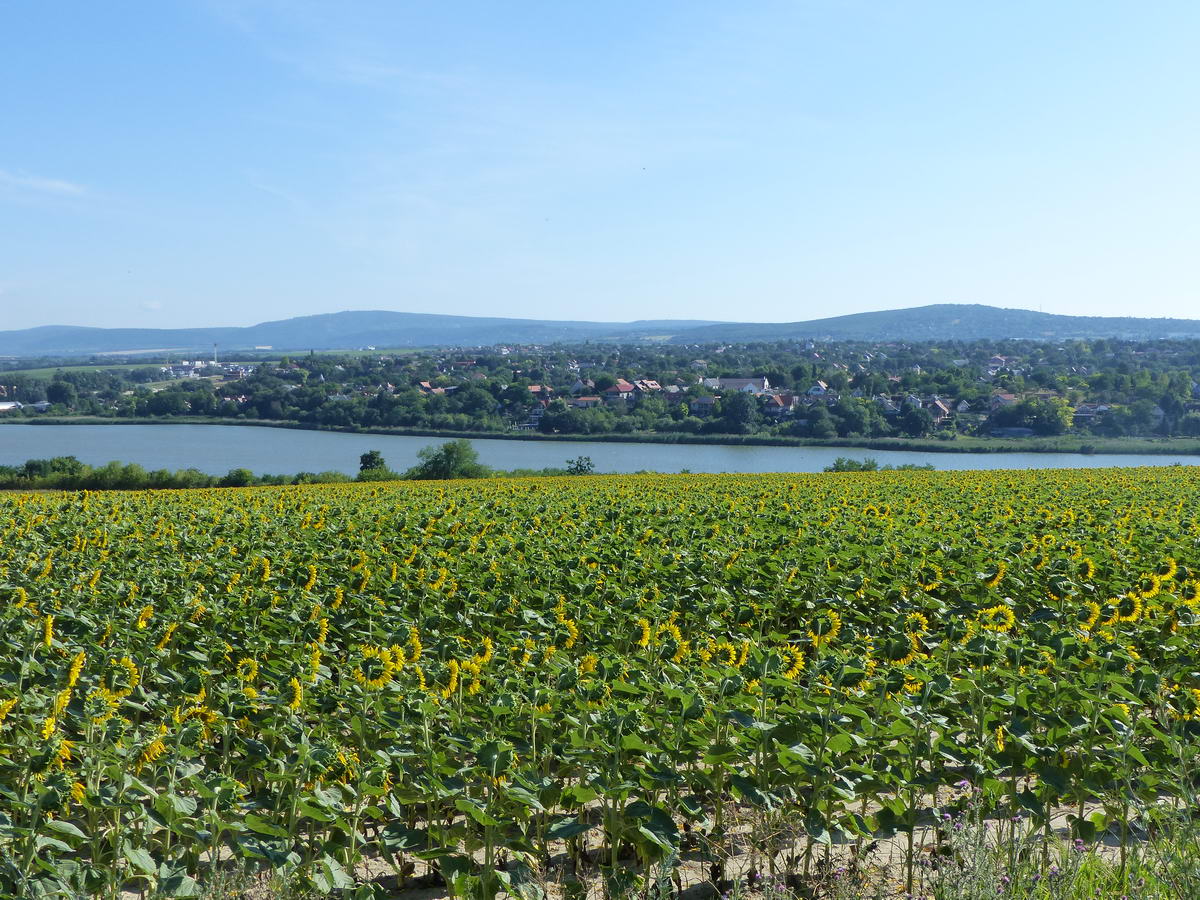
{"x":216,"y":449}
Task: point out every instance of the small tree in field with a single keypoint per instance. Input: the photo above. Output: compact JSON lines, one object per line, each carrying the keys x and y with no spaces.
{"x":581,"y":465}
{"x":453,"y":459}
{"x":372,"y":459}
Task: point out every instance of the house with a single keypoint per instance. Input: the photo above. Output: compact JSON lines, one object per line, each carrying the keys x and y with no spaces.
{"x":819,"y":389}
{"x":541,"y":392}
{"x":589,"y":402}
{"x":962,"y":407}
{"x":1001,"y":400}
{"x":10,"y":406}
{"x":887,"y":405}
{"x":778,"y":405}
{"x":582,"y":386}
{"x":620,"y":393}
{"x":647,"y":386}
{"x":938,"y":410}
{"x":1087,"y":413}
{"x":702,"y":406}
{"x":753,"y":386}
{"x":998,"y":361}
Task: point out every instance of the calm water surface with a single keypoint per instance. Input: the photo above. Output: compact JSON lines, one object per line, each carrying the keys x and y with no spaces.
{"x":216,"y":449}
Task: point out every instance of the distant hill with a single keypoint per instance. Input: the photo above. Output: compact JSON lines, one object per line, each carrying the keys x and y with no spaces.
{"x":949,"y":321}
{"x":349,"y":330}
{"x":332,"y":331}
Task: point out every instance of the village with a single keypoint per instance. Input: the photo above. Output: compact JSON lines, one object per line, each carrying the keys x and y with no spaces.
{"x":829,"y":390}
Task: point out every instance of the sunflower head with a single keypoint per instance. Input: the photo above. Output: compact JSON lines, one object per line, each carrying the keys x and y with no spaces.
{"x":1149,"y":585}
{"x":1166,"y":569}
{"x":374,"y":666}
{"x":929,"y":576}
{"x":998,"y":618}
{"x":824,"y":628}
{"x":1130,"y":608}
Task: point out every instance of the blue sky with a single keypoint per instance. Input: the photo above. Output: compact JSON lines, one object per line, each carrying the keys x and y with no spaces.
{"x":224,"y":162}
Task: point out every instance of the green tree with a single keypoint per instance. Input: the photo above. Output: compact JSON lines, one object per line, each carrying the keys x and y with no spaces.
{"x":739,"y":412}
{"x":62,"y":392}
{"x":581,"y":465}
{"x":453,"y":459}
{"x":237,"y":478}
{"x":915,"y":421}
{"x":372,"y":459}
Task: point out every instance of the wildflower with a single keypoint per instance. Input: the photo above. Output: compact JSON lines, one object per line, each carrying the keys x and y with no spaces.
{"x":48,"y":631}
{"x":144,"y":617}
{"x":297,"y":694}
{"x":6,"y":706}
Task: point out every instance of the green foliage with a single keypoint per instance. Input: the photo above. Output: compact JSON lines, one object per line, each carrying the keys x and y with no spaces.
{"x":453,"y":459}
{"x":581,"y":465}
{"x":870,"y":464}
{"x":372,"y":459}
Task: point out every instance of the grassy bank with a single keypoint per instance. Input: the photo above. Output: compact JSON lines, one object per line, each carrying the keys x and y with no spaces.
{"x":1086,"y":444}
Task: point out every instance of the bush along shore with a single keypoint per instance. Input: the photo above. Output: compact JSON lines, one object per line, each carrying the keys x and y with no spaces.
{"x":452,"y":460}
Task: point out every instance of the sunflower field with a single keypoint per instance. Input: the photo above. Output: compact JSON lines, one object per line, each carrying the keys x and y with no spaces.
{"x":482,"y":682}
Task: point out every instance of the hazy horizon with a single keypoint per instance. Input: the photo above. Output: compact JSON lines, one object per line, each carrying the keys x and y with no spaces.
{"x":221,"y":163}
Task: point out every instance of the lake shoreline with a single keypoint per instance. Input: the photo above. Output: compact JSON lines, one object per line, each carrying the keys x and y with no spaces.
{"x":1067,"y":445}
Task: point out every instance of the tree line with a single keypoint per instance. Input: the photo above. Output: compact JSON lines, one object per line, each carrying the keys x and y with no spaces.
{"x":451,"y":460}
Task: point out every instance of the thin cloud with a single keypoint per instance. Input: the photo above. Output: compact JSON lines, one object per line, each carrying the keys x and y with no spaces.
{"x":23,"y":181}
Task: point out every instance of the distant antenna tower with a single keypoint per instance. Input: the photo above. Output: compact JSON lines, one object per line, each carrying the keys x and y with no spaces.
{"x":214,"y":354}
